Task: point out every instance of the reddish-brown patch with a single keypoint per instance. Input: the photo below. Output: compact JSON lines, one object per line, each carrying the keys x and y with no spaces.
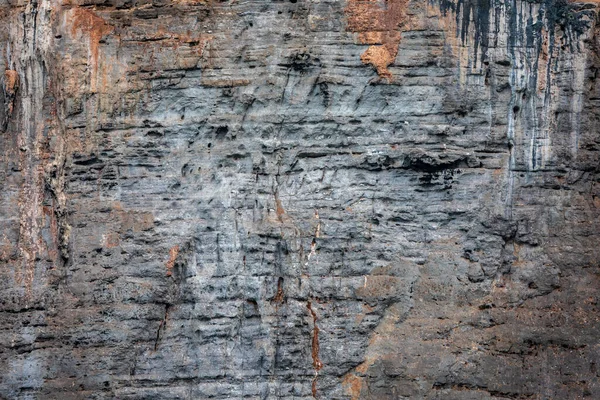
{"x":279,"y":296}
{"x":54,"y":232}
{"x":354,"y":382}
{"x":11,"y":85}
{"x":378,"y":23}
{"x":279,"y":208}
{"x":543,"y":62}
{"x":88,"y":23}
{"x":353,"y":386}
{"x":173,"y":252}
{"x":11,"y":81}
{"x":317,"y":364}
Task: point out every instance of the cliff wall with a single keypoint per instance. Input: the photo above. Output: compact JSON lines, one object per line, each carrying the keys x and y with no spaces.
{"x":299,"y":199}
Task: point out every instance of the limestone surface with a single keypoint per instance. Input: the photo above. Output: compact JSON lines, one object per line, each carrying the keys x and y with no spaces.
{"x":331,"y":199}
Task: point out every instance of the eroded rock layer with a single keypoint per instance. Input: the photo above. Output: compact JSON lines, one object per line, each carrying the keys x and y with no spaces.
{"x":299,"y":199}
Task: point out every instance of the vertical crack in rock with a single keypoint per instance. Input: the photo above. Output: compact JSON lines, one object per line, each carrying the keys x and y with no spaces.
{"x":317,"y":364}
{"x":377,"y":23}
{"x":279,"y":295}
{"x":161,"y":327}
{"x":55,"y":186}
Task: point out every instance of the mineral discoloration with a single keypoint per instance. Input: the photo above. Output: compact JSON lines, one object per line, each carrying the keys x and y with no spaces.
{"x":377,"y":23}
{"x":173,"y":252}
{"x":85,"y":22}
{"x":11,"y":85}
{"x":220,"y":200}
{"x":317,"y":364}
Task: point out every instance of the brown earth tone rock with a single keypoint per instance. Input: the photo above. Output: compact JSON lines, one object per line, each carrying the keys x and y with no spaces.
{"x":299,"y":199}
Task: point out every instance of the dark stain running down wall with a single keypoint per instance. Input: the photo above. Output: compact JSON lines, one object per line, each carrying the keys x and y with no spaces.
{"x":299,"y":199}
{"x":525,"y":22}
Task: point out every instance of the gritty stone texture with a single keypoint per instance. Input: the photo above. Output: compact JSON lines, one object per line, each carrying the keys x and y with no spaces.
{"x":299,"y":199}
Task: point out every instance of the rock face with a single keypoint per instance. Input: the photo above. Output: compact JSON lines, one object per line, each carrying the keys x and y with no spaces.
{"x":359,"y":199}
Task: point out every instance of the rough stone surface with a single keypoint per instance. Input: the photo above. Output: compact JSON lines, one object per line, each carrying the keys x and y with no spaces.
{"x":299,"y":199}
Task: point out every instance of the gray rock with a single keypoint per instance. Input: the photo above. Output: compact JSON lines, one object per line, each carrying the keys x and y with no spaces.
{"x":296,"y":200}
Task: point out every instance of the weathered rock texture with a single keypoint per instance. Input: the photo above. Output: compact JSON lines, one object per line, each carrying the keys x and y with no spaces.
{"x":359,"y":199}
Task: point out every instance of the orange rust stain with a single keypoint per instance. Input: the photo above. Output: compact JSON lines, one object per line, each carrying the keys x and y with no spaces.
{"x":49,"y":213}
{"x":435,"y":20}
{"x":172,"y":257}
{"x":353,"y":386}
{"x":543,"y":62}
{"x":317,"y":364}
{"x":354,"y":381}
{"x":88,"y":23}
{"x":378,"y":23}
{"x":11,"y":83}
{"x":11,"y":79}
{"x":362,"y":368}
{"x":279,"y":208}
